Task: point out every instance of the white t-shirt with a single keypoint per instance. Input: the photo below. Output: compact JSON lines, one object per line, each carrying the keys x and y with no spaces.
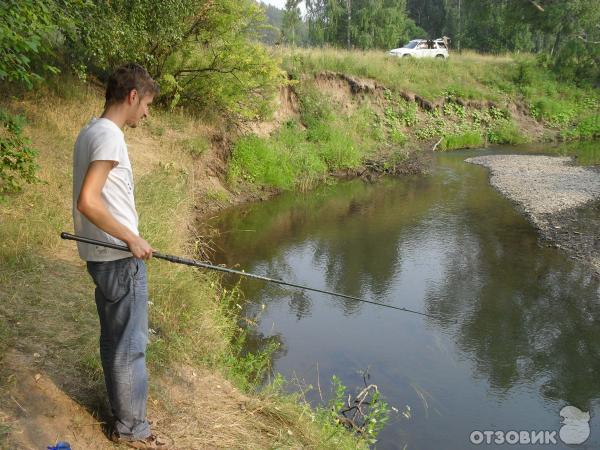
{"x":101,"y":139}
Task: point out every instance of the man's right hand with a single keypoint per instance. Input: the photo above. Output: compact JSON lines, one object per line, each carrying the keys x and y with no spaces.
{"x":140,"y":248}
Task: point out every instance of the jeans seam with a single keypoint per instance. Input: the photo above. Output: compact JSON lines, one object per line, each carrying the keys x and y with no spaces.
{"x":129,"y":362}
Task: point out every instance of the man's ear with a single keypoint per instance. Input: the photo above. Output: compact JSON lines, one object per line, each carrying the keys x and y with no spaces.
{"x":133,"y":96}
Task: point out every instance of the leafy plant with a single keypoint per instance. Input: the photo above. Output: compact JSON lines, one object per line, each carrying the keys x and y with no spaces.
{"x":17,"y":157}
{"x":26,"y":29}
{"x":367,"y":414}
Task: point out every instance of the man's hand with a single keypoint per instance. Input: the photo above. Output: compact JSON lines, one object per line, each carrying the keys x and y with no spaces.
{"x":140,"y":248}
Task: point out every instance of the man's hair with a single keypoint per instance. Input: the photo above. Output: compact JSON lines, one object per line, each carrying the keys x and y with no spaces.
{"x":126,"y":78}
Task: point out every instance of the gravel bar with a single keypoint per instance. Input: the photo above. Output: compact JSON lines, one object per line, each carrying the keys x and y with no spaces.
{"x":562,"y":200}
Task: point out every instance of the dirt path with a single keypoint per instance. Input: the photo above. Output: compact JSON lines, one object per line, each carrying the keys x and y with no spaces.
{"x":562,"y":200}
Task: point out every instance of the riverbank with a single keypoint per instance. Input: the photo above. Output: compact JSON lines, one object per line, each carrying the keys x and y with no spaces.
{"x":327,"y":125}
{"x":560,"y":199}
{"x":366,"y":113}
{"x":202,"y":387}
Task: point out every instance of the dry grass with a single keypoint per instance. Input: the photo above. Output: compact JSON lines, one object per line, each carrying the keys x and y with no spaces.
{"x":48,"y":317}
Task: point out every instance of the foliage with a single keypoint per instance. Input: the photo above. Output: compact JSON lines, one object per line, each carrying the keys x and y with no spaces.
{"x":375,"y":411}
{"x":17,"y":157}
{"x":361,"y":23}
{"x":204,"y":53}
{"x":291,"y":21}
{"x":26,"y":33}
{"x":587,"y":128}
{"x":298,"y":155}
{"x":566,"y":33}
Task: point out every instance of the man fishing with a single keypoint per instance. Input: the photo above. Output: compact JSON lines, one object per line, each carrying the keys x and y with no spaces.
{"x":104,"y":209}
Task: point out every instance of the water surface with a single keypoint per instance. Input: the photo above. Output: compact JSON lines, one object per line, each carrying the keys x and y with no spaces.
{"x":514,"y":335}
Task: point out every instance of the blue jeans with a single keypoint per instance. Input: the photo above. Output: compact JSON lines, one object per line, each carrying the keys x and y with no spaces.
{"x":122,"y":303}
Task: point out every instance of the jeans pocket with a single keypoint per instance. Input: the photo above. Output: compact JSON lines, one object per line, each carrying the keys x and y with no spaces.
{"x":114,"y":279}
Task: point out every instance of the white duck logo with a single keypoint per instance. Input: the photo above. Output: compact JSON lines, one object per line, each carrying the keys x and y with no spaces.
{"x":576,"y":427}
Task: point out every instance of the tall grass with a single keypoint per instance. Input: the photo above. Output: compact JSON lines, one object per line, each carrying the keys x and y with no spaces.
{"x":468,"y":139}
{"x":303,"y":152}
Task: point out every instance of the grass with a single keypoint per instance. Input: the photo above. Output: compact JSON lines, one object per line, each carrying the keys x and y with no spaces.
{"x":505,"y":132}
{"x":304,"y":151}
{"x":194,"y":320}
{"x":470,"y":76}
{"x":468,"y":139}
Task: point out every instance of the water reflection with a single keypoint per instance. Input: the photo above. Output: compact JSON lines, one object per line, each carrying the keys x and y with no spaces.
{"x":516,"y":324}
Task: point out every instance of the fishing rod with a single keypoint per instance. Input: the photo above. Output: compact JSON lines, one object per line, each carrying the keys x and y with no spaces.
{"x":196,"y":263}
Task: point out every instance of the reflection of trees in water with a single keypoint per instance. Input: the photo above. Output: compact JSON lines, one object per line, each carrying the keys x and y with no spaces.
{"x":524,"y":313}
{"x":529,"y":315}
{"x":257,"y":340}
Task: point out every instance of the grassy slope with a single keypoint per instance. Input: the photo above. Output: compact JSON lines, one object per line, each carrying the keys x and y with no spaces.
{"x":47,"y":307}
{"x":476,"y":99}
{"x":469,"y":76}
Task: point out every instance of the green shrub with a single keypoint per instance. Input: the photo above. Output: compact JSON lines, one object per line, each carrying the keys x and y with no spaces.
{"x":555,"y":112}
{"x":17,"y":158}
{"x":587,"y":128}
{"x":25,"y":30}
{"x":340,"y":151}
{"x":397,"y":137}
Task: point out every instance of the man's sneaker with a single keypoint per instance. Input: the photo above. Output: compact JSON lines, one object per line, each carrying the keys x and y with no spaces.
{"x":149,"y":443}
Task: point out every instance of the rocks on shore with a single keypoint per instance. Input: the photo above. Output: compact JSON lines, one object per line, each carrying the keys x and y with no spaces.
{"x":562,"y":200}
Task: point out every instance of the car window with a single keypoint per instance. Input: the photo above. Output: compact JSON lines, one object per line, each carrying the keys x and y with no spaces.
{"x":422,"y":45}
{"x":411,"y":44}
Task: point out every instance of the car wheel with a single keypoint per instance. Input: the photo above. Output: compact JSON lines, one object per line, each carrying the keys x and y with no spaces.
{"x":440,"y":56}
{"x":406,"y":56}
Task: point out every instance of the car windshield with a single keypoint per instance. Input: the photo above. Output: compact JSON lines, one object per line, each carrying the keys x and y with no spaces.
{"x":411,"y":44}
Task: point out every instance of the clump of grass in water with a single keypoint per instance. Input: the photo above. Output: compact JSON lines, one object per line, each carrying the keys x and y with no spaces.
{"x":505,"y":132}
{"x":468,"y":139}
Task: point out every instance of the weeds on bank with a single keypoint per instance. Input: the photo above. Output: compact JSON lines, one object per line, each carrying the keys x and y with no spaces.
{"x":469,"y":76}
{"x":301,"y":153}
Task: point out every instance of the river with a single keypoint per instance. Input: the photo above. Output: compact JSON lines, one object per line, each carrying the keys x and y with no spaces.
{"x":514,"y":333}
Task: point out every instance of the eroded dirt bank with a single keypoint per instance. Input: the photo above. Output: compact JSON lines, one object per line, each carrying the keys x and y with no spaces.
{"x":562,"y":200}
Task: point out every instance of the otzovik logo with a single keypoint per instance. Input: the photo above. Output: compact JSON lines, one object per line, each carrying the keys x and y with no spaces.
{"x":575,"y":430}
{"x":576,"y":427}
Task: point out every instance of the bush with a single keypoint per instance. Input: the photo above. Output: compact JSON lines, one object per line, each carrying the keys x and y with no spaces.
{"x":17,"y":158}
{"x":25,"y":31}
{"x":587,"y":128}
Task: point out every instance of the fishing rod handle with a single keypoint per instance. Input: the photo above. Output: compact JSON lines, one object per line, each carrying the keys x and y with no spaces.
{"x":171,"y":258}
{"x":72,"y":237}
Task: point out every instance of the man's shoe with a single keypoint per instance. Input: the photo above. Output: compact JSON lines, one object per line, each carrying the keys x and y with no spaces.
{"x":152,"y":442}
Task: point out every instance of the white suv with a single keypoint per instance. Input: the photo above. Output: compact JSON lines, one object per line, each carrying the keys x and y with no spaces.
{"x":422,"y":48}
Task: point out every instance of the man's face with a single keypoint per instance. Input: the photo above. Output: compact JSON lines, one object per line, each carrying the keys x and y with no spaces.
{"x":138,"y":108}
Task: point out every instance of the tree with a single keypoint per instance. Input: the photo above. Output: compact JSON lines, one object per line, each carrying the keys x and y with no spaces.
{"x":291,"y":21}
{"x":26,"y":32}
{"x":362,"y":23}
